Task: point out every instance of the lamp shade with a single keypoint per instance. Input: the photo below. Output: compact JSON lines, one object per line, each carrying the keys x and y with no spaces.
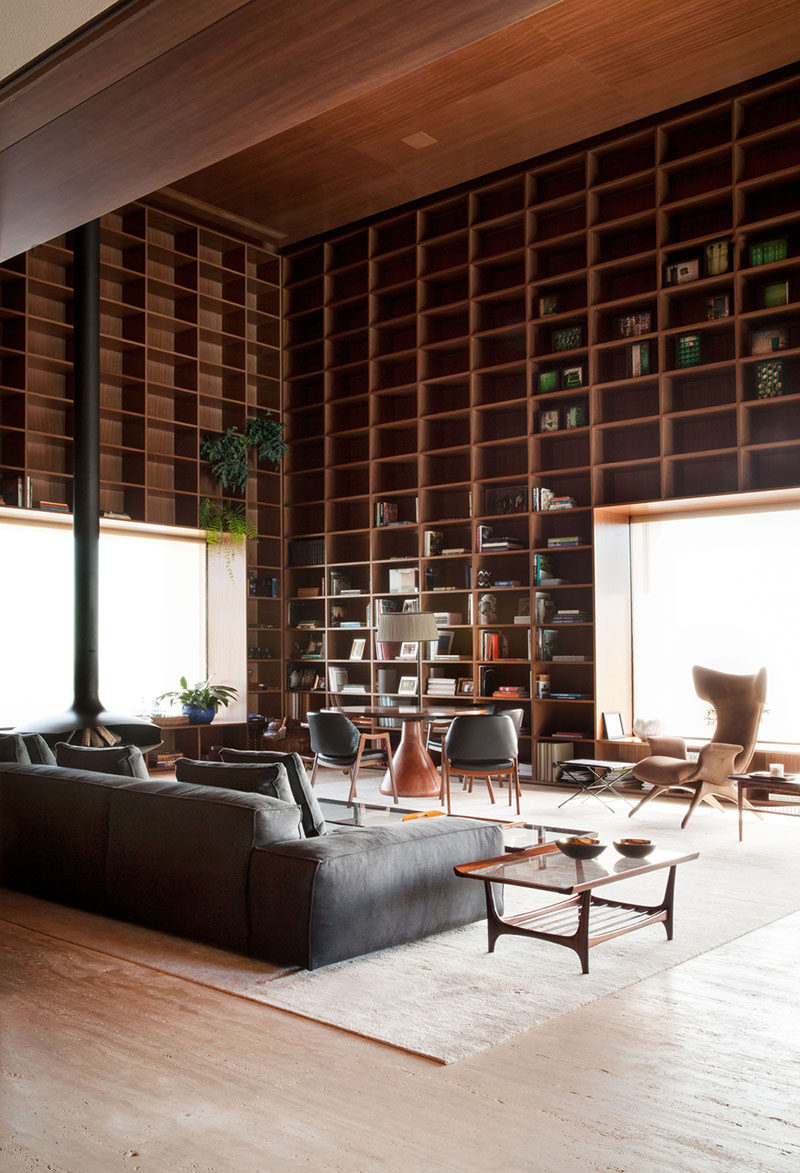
{"x":407,"y":627}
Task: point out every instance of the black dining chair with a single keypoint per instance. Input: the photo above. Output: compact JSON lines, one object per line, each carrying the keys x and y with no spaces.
{"x":335,"y":741}
{"x":480,"y":746}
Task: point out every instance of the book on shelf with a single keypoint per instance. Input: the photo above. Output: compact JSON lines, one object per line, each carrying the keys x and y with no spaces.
{"x":568,"y":696}
{"x":564,"y":542}
{"x":543,"y":607}
{"x":54,"y":506}
{"x":306,"y":551}
{"x":454,"y":550}
{"x":494,"y":645}
{"x":510,"y":694}
{"x":522,"y":620}
{"x":774,"y":294}
{"x":362,"y":688}
{"x":546,"y":643}
{"x":567,"y":659}
{"x":506,"y":582}
{"x":18,"y":490}
{"x":540,"y":499}
{"x":483,"y":533}
{"x":386,"y":513}
{"x":337,"y":679}
{"x":560,"y":503}
{"x":542,"y":568}
{"x":432,"y":543}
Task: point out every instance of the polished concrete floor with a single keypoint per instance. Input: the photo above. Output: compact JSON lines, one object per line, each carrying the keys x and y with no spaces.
{"x":106,"y":1065}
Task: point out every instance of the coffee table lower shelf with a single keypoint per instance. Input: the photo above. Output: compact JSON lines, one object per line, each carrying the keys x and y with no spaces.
{"x":583,"y":920}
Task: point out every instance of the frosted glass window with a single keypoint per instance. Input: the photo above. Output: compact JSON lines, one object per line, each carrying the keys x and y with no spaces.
{"x":152,"y":623}
{"x":719,"y":590}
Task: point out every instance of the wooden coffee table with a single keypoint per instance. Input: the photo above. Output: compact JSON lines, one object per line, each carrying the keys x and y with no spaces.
{"x":583,"y":920}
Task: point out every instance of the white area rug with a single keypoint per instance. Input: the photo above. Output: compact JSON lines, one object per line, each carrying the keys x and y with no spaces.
{"x":446,"y":997}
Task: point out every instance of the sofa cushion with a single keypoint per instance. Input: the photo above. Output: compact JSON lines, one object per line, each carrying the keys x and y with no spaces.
{"x":13,"y":749}
{"x":127,"y":760}
{"x":304,"y":796}
{"x":179,"y":856}
{"x":39,"y":751}
{"x":271,"y":779}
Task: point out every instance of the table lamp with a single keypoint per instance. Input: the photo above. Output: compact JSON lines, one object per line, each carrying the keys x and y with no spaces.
{"x":408,"y":627}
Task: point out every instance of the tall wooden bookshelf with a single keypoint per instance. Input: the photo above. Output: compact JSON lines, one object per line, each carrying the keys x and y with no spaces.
{"x":190,"y":344}
{"x":583,"y":324}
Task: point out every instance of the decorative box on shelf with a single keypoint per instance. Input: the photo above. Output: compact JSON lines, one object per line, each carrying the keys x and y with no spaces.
{"x":768,"y":339}
{"x":718,"y":305}
{"x":680,"y":272}
{"x":548,"y":381}
{"x":550,"y":420}
{"x":769,"y":378}
{"x":571,"y":377}
{"x":687,"y":350}
{"x":629,"y":325}
{"x":568,"y":339}
{"x":766,"y":252}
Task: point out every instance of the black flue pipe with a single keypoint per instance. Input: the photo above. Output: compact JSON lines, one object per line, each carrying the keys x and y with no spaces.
{"x":86,"y":467}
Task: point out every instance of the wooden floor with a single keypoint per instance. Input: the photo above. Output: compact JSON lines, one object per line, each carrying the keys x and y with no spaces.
{"x":107,"y":1065}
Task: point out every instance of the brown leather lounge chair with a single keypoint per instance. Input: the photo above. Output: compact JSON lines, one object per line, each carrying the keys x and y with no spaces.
{"x":738,"y":702}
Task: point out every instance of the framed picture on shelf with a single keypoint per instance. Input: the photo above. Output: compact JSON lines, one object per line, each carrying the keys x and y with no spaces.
{"x":444,"y":643}
{"x":407,"y":686}
{"x":465,"y":686}
{"x":357,"y":649}
{"x":613,"y":729}
{"x":408,"y":650}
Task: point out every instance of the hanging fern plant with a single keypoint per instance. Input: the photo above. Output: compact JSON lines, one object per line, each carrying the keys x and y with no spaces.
{"x":226,"y":526}
{"x":227,"y":454}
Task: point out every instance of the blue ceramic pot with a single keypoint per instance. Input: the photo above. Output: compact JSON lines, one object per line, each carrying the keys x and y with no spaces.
{"x":198,"y":716}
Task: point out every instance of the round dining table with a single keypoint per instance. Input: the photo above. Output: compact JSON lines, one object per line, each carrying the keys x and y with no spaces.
{"x":415,"y":772}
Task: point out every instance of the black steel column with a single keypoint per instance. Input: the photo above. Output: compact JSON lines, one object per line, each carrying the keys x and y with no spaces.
{"x":86,"y":465}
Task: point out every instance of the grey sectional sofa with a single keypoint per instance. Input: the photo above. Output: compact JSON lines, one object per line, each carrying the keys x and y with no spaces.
{"x":233,"y":869}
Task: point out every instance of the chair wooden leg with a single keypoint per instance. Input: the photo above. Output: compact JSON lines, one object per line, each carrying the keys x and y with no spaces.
{"x":390,"y":760}
{"x":354,"y":770}
{"x":698,"y":794}
{"x":314,"y":770}
{"x":515,"y":777}
{"x":446,"y":779}
{"x":650,"y":794}
{"x":489,"y":788}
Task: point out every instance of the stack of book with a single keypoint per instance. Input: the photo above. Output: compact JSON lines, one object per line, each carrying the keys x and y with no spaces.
{"x":485,"y":542}
{"x":441,"y":686}
{"x":570,"y":615}
{"x":510,"y":692}
{"x":563,"y":502}
{"x":543,"y":571}
{"x":564,"y":542}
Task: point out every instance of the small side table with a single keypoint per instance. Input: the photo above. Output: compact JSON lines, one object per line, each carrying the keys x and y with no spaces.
{"x":749,"y":783}
{"x":603,"y":775}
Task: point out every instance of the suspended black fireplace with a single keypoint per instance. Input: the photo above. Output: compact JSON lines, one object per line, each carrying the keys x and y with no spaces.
{"x":87,"y":722}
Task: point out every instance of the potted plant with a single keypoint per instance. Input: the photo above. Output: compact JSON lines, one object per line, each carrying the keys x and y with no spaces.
{"x":201,"y":701}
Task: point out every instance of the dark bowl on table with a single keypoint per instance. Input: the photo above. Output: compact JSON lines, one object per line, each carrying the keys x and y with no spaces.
{"x":580,"y":846}
{"x":634,"y":848}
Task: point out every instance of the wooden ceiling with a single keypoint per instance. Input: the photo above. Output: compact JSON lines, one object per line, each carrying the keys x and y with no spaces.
{"x":293,"y":116}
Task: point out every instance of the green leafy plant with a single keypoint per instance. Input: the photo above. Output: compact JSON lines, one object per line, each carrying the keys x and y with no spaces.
{"x":226,"y":526}
{"x":204,"y":694}
{"x":265,"y":434}
{"x":227,"y":454}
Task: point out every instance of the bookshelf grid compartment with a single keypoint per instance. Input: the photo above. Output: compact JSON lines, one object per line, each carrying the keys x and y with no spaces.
{"x":190,"y":342}
{"x":598,"y":323}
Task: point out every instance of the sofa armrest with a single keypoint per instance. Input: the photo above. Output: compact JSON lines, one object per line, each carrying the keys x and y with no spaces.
{"x":346,"y":893}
